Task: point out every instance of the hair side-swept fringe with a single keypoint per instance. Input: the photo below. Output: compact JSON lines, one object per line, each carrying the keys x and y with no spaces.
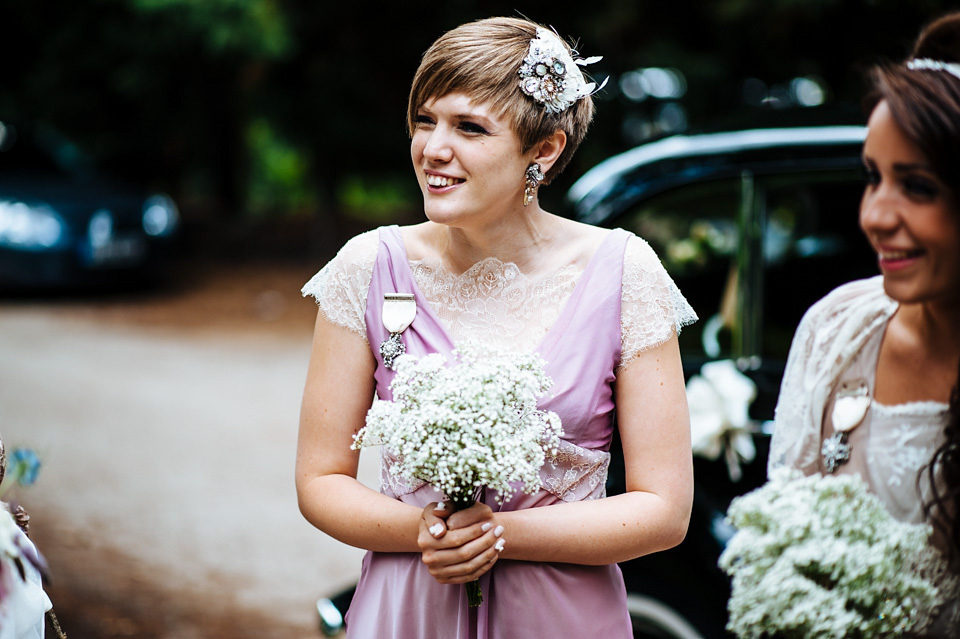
{"x":481,"y":60}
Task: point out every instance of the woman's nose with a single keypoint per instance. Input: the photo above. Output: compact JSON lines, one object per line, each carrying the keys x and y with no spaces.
{"x":437,"y":147}
{"x":879,"y":211}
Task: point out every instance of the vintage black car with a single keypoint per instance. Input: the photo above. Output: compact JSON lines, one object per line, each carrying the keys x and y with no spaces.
{"x":63,"y":226}
{"x":754,"y":226}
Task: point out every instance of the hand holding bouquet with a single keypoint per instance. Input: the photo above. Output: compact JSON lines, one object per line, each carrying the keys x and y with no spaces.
{"x":466,"y":427}
{"x":821,"y":557}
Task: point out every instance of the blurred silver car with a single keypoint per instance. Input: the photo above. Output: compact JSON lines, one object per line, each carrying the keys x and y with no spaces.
{"x":64,"y":228}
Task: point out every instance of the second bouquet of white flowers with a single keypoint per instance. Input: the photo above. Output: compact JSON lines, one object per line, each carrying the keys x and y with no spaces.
{"x":820,"y":557}
{"x":468,"y":426}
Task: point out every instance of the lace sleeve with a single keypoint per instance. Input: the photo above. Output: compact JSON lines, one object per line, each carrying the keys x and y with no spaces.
{"x":340,"y":288}
{"x":796,"y":442}
{"x":652,"y":307}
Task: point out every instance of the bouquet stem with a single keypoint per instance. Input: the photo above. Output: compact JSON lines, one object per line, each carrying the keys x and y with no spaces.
{"x":474,"y":593}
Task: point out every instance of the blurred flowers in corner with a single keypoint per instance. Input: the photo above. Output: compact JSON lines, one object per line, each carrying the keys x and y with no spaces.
{"x":820,"y":557}
{"x":719,"y":399}
{"x":23,"y":602}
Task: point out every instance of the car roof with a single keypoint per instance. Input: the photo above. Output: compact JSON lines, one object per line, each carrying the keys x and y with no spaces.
{"x":654,"y":167}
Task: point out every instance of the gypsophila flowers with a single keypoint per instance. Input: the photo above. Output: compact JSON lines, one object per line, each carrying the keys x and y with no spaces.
{"x":466,"y":427}
{"x":471,"y":425}
{"x":821,"y":557}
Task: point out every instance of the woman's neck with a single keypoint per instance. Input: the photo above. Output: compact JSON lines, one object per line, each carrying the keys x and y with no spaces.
{"x":918,"y":356}
{"x":937,"y":324}
{"x":934,"y":329}
{"x":526,"y":240}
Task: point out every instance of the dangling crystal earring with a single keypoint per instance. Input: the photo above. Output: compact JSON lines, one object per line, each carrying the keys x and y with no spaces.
{"x":534,"y":176}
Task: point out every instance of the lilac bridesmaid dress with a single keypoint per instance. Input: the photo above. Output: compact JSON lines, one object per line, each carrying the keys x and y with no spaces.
{"x":396,"y":596}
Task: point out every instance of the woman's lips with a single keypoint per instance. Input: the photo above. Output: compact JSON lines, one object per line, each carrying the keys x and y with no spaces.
{"x":897,"y":259}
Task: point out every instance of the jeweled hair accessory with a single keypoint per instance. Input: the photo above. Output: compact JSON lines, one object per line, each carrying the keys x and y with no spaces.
{"x":550,"y":75}
{"x":927,"y":64}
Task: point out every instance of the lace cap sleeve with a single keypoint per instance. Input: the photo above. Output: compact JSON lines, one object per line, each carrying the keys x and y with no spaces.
{"x":652,"y":307}
{"x":340,"y":288}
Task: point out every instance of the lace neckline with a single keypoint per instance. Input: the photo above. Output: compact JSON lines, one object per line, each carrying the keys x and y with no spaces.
{"x":488,"y":266}
{"x":925,"y":408}
{"x":486,"y":274}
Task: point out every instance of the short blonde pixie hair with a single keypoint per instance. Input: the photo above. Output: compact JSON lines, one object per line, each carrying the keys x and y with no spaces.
{"x":482,"y":59}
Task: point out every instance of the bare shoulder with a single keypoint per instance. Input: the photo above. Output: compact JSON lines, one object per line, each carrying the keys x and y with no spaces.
{"x":582,"y":240}
{"x":419,"y":240}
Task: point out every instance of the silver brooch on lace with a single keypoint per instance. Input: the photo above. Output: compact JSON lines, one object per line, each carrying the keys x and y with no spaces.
{"x":399,"y":311}
{"x":849,"y":409}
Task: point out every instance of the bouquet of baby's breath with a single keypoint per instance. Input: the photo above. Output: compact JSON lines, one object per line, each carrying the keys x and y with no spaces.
{"x":468,"y":426}
{"x":820,"y":557}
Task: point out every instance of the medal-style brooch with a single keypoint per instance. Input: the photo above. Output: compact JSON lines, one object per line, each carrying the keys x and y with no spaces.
{"x":399,"y":310}
{"x":849,"y":409}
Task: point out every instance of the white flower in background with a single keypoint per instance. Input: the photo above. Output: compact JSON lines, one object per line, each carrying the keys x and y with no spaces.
{"x":820,"y":557}
{"x":23,"y":602}
{"x":719,"y":399}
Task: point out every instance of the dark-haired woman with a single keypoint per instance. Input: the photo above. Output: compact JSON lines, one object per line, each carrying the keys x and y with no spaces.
{"x":871,"y":386}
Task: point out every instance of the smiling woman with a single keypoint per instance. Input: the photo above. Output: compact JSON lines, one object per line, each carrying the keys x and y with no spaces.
{"x":496,"y":109}
{"x":871,"y":386}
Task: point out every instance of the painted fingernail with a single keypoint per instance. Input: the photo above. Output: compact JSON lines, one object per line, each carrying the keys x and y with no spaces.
{"x":487,"y":526}
{"x":436,"y":529}
{"x":499,"y":545}
{"x":441,"y":506}
{"x":498,"y":531}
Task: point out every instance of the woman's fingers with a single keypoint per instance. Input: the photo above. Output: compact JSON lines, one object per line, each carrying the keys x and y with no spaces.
{"x":450,"y":563}
{"x":432,"y":521}
{"x":475,"y":514}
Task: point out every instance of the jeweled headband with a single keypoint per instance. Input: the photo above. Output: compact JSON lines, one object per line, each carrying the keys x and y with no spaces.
{"x":927,"y":64}
{"x":550,"y":75}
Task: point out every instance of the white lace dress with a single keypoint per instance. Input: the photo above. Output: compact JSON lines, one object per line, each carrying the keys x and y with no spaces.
{"x":838,"y":342}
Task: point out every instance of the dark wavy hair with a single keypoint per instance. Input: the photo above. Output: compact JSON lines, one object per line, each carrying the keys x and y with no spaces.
{"x":925,"y":103}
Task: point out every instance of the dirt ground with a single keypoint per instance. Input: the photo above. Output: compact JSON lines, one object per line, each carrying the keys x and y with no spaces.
{"x":256,"y":307}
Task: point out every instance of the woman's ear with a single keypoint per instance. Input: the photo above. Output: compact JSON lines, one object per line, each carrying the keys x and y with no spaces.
{"x":549,"y":149}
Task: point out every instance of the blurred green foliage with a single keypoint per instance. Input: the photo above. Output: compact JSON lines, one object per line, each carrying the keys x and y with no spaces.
{"x":276,"y":108}
{"x":279,"y":174}
{"x":376,"y":200}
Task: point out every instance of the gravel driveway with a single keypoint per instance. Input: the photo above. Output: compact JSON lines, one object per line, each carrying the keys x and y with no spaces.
{"x":167,"y":427}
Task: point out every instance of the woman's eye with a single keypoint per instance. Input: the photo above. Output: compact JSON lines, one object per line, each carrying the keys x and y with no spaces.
{"x":920,"y":187}
{"x":471,"y":127}
{"x":869,"y":175}
{"x":422,"y":119}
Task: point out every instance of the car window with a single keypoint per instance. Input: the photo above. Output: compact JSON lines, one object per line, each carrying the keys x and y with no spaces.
{"x":32,"y":152}
{"x":810,"y":241}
